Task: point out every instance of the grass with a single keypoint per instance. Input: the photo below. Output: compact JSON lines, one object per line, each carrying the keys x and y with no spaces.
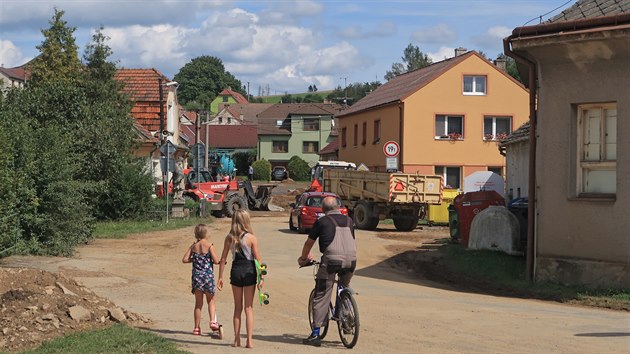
{"x":120,"y":229}
{"x":507,"y":272}
{"x":115,"y":339}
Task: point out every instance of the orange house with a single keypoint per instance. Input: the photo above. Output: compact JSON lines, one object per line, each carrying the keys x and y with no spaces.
{"x":447,"y":118}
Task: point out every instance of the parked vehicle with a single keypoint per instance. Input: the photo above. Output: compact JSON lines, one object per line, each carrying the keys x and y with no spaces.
{"x":279,"y":173}
{"x":308,"y":208}
{"x":222,"y":195}
{"x":371,"y":196}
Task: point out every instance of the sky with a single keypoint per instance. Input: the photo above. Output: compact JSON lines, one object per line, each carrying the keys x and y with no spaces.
{"x":275,"y":45}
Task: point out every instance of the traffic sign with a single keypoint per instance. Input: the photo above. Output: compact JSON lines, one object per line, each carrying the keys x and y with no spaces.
{"x":391,"y":164}
{"x":168,"y":148}
{"x":391,"y":148}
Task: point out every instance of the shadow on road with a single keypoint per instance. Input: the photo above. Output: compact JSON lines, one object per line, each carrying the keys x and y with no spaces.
{"x":295,"y":339}
{"x":203,"y":339}
{"x":422,"y":266}
{"x":604,"y":334}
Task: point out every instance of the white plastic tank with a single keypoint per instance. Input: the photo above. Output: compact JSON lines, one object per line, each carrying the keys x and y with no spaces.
{"x":495,"y":228}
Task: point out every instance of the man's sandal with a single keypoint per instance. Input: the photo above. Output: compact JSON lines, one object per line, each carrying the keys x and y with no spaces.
{"x":197,"y":331}
{"x":214,"y":325}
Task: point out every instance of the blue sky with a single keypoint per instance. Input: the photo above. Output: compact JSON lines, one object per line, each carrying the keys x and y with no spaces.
{"x":284,"y":45}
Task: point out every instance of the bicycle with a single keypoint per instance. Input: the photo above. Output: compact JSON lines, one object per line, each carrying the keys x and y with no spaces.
{"x":345,"y":312}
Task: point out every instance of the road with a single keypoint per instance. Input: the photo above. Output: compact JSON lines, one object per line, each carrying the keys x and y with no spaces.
{"x":399,"y":312}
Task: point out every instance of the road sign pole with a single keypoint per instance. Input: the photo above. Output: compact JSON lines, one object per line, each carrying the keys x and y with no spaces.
{"x":166,"y":189}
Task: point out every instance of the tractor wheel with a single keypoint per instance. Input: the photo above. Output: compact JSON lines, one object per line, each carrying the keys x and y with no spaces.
{"x":232,"y":203}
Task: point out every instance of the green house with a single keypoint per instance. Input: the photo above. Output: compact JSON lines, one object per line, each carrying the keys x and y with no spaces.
{"x":289,"y":129}
{"x":226,"y":96}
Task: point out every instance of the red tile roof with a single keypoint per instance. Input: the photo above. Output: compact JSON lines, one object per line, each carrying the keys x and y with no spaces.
{"x":330,"y":148}
{"x":144,"y":135}
{"x":230,"y":136}
{"x":17,"y":73}
{"x":401,"y":86}
{"x":237,"y":96}
{"x":142,"y":85}
{"x":248,"y":111}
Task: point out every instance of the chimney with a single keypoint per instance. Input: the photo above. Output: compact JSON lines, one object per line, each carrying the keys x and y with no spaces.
{"x":501,"y":63}
{"x":459,"y":51}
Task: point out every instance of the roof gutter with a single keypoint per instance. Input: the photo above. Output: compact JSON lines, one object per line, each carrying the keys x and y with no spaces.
{"x":564,"y":26}
{"x":531,"y":193}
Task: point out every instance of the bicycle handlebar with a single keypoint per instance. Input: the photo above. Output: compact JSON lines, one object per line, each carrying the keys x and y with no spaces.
{"x":311,"y":263}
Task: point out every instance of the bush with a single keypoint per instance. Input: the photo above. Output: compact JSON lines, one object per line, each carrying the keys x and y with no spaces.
{"x":298,"y":169}
{"x":242,"y":159}
{"x":262,"y":170}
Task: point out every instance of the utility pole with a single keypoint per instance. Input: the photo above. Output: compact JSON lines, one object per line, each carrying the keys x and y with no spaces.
{"x":345,"y":85}
{"x":207,"y":138}
{"x":162,"y":141}
{"x":247,"y":91}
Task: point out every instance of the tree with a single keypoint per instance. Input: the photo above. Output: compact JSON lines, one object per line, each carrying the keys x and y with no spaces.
{"x":202,"y":79}
{"x":412,"y":59}
{"x":58,"y":59}
{"x":353,"y":92}
{"x":314,"y":88}
{"x":510,"y":66}
{"x":310,"y":88}
{"x":121,"y":187}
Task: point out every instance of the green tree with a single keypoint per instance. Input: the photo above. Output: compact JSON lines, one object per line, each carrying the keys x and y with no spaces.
{"x":353,"y":92}
{"x":412,"y":58}
{"x":202,"y":79}
{"x":298,"y":169}
{"x":58,"y":59}
{"x":510,"y":66}
{"x":106,"y":143}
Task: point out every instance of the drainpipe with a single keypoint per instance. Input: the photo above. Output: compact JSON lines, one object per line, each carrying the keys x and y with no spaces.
{"x":531,"y":195}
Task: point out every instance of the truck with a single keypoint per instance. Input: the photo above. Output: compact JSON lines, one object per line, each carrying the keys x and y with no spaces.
{"x":372,"y":196}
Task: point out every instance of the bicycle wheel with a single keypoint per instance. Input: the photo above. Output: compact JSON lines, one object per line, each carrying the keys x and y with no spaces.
{"x":348,"y":323}
{"x":323,"y":330}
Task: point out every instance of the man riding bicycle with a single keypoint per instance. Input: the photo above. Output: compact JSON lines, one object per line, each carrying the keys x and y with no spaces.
{"x":335,"y":232}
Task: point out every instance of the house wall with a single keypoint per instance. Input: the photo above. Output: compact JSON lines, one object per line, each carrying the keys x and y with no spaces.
{"x":422,"y":151}
{"x":517,"y":170}
{"x":371,"y":154}
{"x":214,"y":105}
{"x":296,"y":139}
{"x":578,"y":240}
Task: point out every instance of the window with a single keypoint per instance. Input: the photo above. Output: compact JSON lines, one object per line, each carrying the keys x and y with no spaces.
{"x":280,"y":146}
{"x":377,"y":131}
{"x":597,"y":150}
{"x":364,"y":137}
{"x":474,"y":85}
{"x":225,"y":98}
{"x":279,"y":122}
{"x":311,"y":124}
{"x":220,"y":120}
{"x":310,"y":147}
{"x":343,"y":137}
{"x":356,"y":134}
{"x":450,"y":175}
{"x":496,"y":169}
{"x":496,"y":128}
{"x":449,"y":127}
{"x":229,"y":120}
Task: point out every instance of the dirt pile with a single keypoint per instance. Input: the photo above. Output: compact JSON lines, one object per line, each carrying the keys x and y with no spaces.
{"x":283,"y":200}
{"x":36,"y":306}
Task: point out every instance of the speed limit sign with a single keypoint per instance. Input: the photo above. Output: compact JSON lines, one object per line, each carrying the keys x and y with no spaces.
{"x":391,"y":149}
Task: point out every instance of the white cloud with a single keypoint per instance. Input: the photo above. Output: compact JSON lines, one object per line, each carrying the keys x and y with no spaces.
{"x":442,"y":53}
{"x":492,"y":38}
{"x":160,"y":47}
{"x":439,"y":34}
{"x":10,"y":55}
{"x":289,"y":12}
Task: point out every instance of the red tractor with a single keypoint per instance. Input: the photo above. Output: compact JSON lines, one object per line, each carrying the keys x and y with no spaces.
{"x":225,"y":196}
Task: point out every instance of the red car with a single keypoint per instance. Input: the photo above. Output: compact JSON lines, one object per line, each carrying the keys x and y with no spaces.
{"x":308,"y":208}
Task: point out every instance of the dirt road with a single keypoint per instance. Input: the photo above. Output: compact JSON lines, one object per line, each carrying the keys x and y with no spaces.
{"x":399,"y":312}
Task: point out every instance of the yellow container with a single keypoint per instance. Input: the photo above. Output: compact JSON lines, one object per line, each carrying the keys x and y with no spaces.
{"x":438,"y":213}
